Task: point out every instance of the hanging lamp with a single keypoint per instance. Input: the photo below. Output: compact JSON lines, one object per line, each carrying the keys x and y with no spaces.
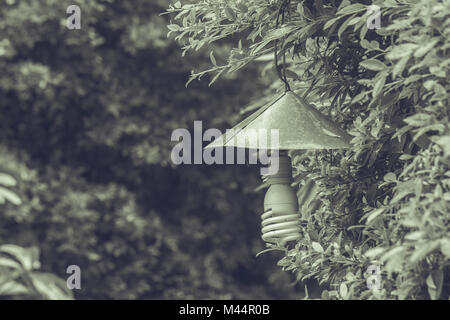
{"x":300,"y":127}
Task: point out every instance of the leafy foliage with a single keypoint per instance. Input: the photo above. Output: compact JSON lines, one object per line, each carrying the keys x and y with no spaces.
{"x":18,"y":265}
{"x":386,"y":200}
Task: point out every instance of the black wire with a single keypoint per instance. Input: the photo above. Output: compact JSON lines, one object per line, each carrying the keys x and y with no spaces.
{"x":276,"y":44}
{"x":282,"y":75}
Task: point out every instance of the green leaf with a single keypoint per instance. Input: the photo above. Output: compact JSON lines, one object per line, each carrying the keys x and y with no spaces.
{"x":10,"y":196}
{"x":363,"y":32}
{"x":414,"y":236}
{"x":174,"y":27}
{"x":421,"y":51}
{"x":390,"y":177}
{"x":400,"y":66}
{"x":306,"y":13}
{"x":378,"y":87}
{"x":230,"y":14}
{"x":413,"y":78}
{"x":317,"y":247}
{"x":300,"y":9}
{"x":374,"y":252}
{"x":423,"y":249}
{"x":373,"y":64}
{"x":325,"y":295}
{"x":12,"y":288}
{"x":445,"y":247}
{"x":374,"y":214}
{"x":344,"y":26}
{"x":291,"y":74}
{"x":434,"y":283}
{"x":9,"y":263}
{"x":429,"y":84}
{"x":213,"y":59}
{"x":419,"y":119}
{"x":395,"y":251}
{"x":359,"y":97}
{"x":374,"y":45}
{"x":216,"y":77}
{"x":329,"y":23}
{"x":406,"y":157}
{"x":50,"y":286}
{"x":242,"y":7}
{"x":354,"y":21}
{"x":401,"y":51}
{"x":343,"y":290}
{"x":279,"y":33}
{"x":444,"y":143}
{"x":365,"y":44}
{"x":25,"y":256}
{"x":7,"y":180}
{"x":357,"y":7}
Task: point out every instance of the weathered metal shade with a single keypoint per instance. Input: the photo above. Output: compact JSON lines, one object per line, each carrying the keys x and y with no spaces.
{"x":299,"y":125}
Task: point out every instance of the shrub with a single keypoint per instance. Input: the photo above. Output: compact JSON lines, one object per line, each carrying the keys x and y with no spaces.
{"x":385,"y":202}
{"x":19,"y":266}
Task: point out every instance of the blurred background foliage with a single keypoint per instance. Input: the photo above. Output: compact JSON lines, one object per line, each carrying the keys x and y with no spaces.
{"x":86,"y":179}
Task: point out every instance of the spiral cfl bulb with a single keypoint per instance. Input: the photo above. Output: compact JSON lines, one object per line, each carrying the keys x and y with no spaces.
{"x":281,"y":219}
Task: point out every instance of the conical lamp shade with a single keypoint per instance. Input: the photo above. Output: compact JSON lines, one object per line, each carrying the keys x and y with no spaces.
{"x":299,"y":125}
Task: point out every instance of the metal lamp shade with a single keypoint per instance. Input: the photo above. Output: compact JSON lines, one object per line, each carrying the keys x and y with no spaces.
{"x":299,"y":125}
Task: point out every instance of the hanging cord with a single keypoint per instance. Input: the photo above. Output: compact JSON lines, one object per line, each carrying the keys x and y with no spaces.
{"x":282,"y":73}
